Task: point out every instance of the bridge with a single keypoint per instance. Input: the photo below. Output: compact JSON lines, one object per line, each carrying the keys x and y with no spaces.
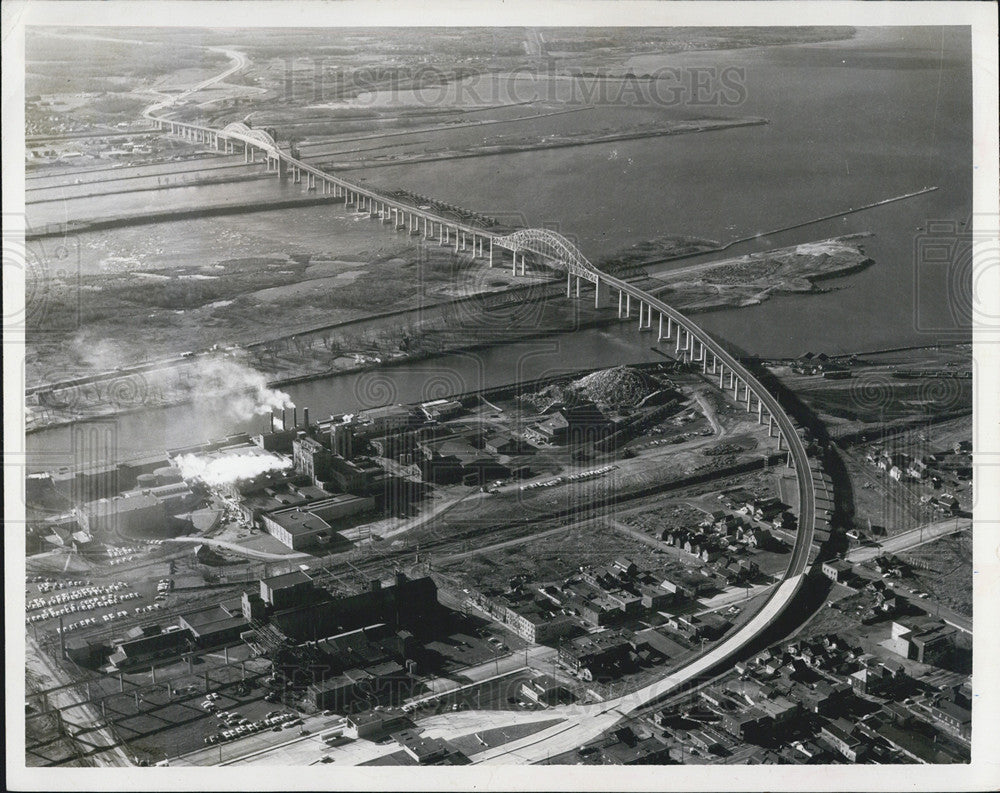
{"x":693,"y":345}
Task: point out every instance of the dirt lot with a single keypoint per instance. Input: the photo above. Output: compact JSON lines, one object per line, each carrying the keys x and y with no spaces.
{"x":944,"y":568}
{"x":873,"y":397}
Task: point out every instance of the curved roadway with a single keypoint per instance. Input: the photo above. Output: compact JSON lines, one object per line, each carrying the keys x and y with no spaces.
{"x":585,"y":722}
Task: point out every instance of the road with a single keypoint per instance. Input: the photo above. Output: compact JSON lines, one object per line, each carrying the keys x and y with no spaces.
{"x":583,"y":723}
{"x":232,"y":546}
{"x":911,"y":539}
{"x":75,"y":718}
{"x":239,"y":61}
{"x":914,"y":538}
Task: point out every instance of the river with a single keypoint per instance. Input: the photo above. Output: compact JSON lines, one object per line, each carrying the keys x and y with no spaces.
{"x":851,"y":122}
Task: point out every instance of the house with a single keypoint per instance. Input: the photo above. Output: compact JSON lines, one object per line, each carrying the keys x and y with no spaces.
{"x":955,"y":718}
{"x":626,"y":566}
{"x":759,"y":538}
{"x":545,"y":690}
{"x":536,"y":623}
{"x":767,"y":509}
{"x":926,"y":641}
{"x":658,"y":642}
{"x":595,"y":652}
{"x":744,"y":724}
{"x":786,"y":520}
{"x":822,"y":696}
{"x":840,"y":735}
{"x":705,"y":626}
{"x":838,"y":570}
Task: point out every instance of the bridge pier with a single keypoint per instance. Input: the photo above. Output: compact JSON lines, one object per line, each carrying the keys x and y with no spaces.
{"x":760,"y":412}
{"x":601,"y":294}
{"x":704,"y":360}
{"x":677,"y":346}
{"x":628,"y":305}
{"x":578,"y":286}
{"x":722,"y":375}
{"x":569,"y":285}
{"x":621,"y":294}
{"x":491,"y":251}
{"x":641,"y":315}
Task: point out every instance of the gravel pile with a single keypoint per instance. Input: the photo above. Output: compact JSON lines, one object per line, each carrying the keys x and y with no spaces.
{"x":620,"y":387}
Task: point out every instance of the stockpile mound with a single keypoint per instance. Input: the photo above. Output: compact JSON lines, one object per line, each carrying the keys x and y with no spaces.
{"x":619,"y":387}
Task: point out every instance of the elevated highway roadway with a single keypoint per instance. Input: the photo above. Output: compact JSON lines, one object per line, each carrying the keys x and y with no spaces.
{"x":692,"y":344}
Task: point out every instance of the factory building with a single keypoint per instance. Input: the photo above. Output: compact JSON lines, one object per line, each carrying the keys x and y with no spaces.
{"x":134,"y":513}
{"x":304,"y":526}
{"x":287,"y":591}
{"x":216,"y":625}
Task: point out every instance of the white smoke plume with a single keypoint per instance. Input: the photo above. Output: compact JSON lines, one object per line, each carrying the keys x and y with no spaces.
{"x":245,"y":390}
{"x":230,"y":468}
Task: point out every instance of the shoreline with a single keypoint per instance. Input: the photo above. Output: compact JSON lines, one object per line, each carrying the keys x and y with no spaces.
{"x":463,"y":340}
{"x":147,"y":218}
{"x":596,"y":322}
{"x":352,"y":165}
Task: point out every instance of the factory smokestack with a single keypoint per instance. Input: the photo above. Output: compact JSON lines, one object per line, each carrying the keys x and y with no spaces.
{"x":295,"y":417}
{"x":284,"y":421}
{"x":305,"y":417}
{"x":272,"y":421}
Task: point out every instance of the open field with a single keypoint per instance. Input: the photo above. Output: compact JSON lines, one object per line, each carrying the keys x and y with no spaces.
{"x":944,"y":568}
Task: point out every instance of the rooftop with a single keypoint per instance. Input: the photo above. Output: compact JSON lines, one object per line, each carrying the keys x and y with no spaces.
{"x":298,"y":521}
{"x":291,"y":579}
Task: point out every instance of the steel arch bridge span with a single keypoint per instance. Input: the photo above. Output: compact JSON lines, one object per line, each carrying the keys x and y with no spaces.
{"x":257,"y":137}
{"x":548,"y":244}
